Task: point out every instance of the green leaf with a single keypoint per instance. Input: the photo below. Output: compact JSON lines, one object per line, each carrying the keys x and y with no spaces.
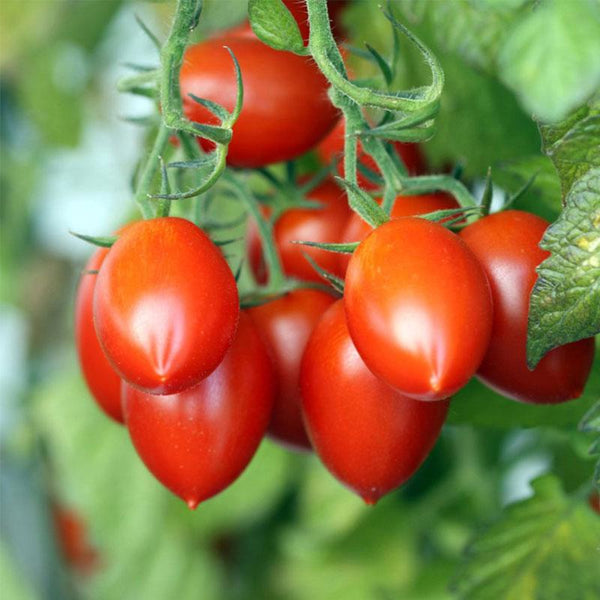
{"x":274,"y":25}
{"x":543,"y":197}
{"x":574,"y":144}
{"x":543,"y":548}
{"x":591,"y":424}
{"x":550,"y":58}
{"x":480,"y":406}
{"x":565,"y":301}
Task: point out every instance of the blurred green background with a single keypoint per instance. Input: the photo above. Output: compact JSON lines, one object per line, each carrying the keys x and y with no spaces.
{"x":286,"y":528}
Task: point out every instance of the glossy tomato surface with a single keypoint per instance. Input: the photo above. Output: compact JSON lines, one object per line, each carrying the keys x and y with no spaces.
{"x":197,"y":442}
{"x":419,"y":307}
{"x":506,"y":245}
{"x":371,"y":437}
{"x":286,"y":325}
{"x":357,"y":230}
{"x":165,"y":305}
{"x":323,"y":225}
{"x":332,"y":149}
{"x":286,"y":109}
{"x":102,"y":380}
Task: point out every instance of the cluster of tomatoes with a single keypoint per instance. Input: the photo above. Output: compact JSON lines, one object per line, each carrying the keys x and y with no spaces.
{"x":365,"y":380}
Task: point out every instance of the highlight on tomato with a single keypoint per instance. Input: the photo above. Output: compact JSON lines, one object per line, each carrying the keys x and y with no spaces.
{"x":357,"y":229}
{"x":198,"y":442}
{"x":507,"y":246}
{"x":285,"y":325}
{"x":102,"y":380}
{"x":371,"y":437}
{"x":165,"y":306}
{"x":419,"y":307}
{"x":280,"y":125}
{"x":324,"y":224}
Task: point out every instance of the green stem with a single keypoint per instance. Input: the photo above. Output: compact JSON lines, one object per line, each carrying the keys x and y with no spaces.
{"x":142,"y":193}
{"x":276,"y":277}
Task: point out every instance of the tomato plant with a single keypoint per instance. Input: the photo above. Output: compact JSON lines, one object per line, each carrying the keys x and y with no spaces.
{"x":321,"y":225}
{"x":197,"y":442}
{"x":371,"y":437}
{"x":101,"y":378}
{"x":281,"y":125}
{"x":332,"y":149}
{"x":165,"y":305}
{"x":286,"y":325}
{"x":413,"y":292}
{"x":357,"y":230}
{"x":506,"y":245}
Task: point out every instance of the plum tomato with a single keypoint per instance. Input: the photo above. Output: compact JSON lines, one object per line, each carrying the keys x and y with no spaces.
{"x":280,"y":125}
{"x":506,"y":245}
{"x":197,"y":442}
{"x":102,"y":380}
{"x":286,"y":324}
{"x":357,"y":230}
{"x":371,"y":437}
{"x":307,"y":224}
{"x":332,"y":148}
{"x":165,"y":306}
{"x":419,"y":307}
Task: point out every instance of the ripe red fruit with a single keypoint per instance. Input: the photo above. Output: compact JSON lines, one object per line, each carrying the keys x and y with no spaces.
{"x":332,"y":148}
{"x":289,"y":120}
{"x":197,"y":442}
{"x":102,"y":380}
{"x":506,"y":245}
{"x":371,"y":437}
{"x":306,"y":224}
{"x":419,"y":307}
{"x":357,"y":230}
{"x":286,"y":325}
{"x":165,"y":306}
{"x":73,"y":540}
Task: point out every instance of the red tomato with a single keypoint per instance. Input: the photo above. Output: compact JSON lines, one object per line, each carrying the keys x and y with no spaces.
{"x":102,"y":380}
{"x":371,"y":437}
{"x":197,"y":442}
{"x":419,"y":307}
{"x":165,"y":306}
{"x":286,"y":324}
{"x":282,"y":124}
{"x":357,"y":230}
{"x":332,"y":148}
{"x":594,"y":501}
{"x":506,"y":245}
{"x":307,"y":224}
{"x":73,"y":540}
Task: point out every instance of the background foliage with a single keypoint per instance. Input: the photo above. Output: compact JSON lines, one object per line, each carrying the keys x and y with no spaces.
{"x":286,"y":529}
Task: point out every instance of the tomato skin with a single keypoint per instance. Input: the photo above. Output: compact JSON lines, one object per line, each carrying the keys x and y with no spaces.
{"x":371,"y":437}
{"x":281,"y":125}
{"x":165,"y":305}
{"x":73,"y":540}
{"x":413,"y":294}
{"x":197,"y":442}
{"x":357,"y":230}
{"x":332,"y":147}
{"x":506,"y":245}
{"x":307,"y":224}
{"x":286,"y":325}
{"x":102,"y":380}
